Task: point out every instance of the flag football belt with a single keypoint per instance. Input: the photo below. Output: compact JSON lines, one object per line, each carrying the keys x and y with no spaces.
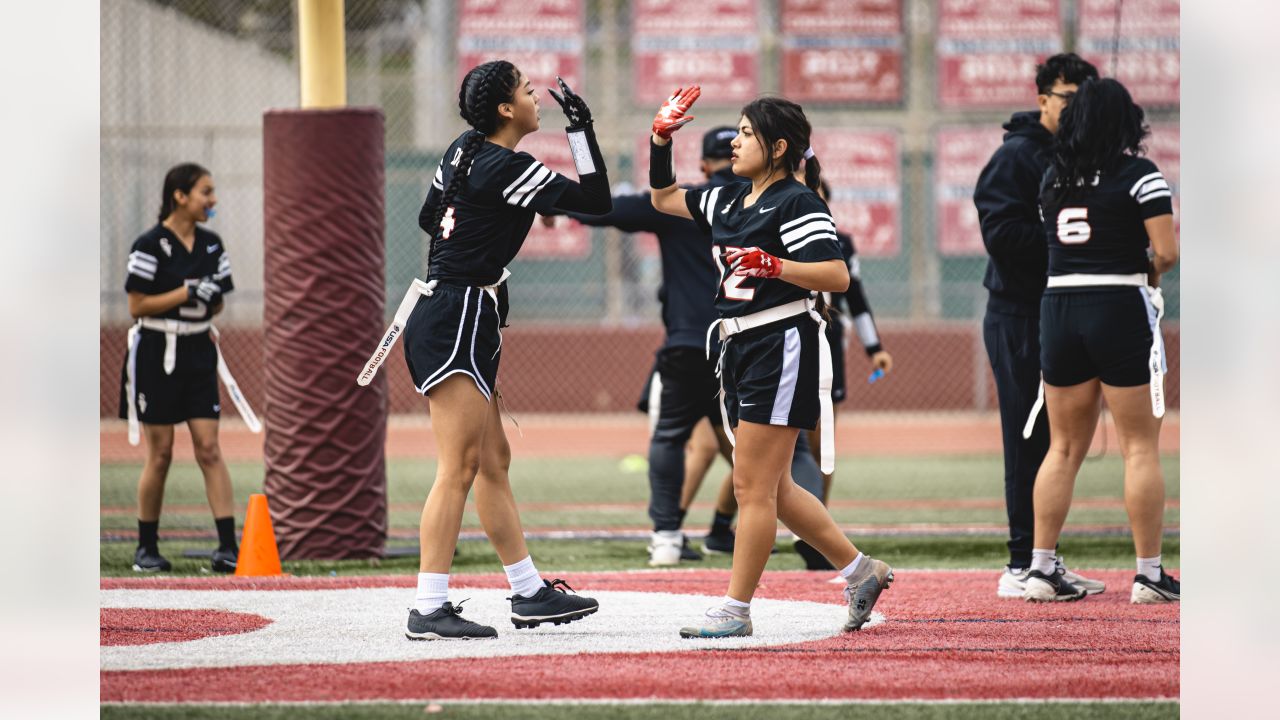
{"x":1155,"y":360}
{"x":731,"y":326}
{"x":172,"y":329}
{"x":417,"y":289}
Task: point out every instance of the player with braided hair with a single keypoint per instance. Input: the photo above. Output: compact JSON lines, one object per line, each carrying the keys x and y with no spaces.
{"x":478,"y":211}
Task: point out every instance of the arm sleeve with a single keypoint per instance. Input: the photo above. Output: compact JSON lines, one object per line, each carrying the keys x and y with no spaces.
{"x":630,"y":213}
{"x":856,"y":299}
{"x":1007,"y":199}
{"x":808,"y":230}
{"x":223,"y":274}
{"x":140,"y":271}
{"x":1151,"y":191}
{"x":702,"y":206}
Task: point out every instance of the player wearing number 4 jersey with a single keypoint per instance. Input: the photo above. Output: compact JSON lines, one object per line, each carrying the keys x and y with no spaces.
{"x":478,"y":211}
{"x":1105,"y":209}
{"x":774,"y":244}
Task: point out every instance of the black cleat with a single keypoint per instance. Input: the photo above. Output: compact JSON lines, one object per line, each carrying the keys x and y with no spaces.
{"x":1146,"y":592}
{"x":446,"y":623}
{"x":687,"y":552}
{"x":224,"y":560}
{"x":550,"y":604}
{"x":813,"y":560}
{"x":1053,"y":587}
{"x":149,"y":560}
{"x":718,"y":543}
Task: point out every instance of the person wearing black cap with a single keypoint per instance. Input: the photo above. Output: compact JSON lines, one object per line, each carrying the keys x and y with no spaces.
{"x":683,"y":388}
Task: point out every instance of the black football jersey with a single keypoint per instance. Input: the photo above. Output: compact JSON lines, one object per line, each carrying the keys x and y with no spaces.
{"x":486,"y":224}
{"x":159,"y":263}
{"x":1099,"y":230}
{"x":788,"y":221}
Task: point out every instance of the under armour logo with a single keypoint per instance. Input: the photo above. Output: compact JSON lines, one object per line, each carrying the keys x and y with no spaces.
{"x":447,"y":223}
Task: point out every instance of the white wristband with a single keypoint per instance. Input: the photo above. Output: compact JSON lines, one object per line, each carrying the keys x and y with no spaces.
{"x":581,"y":150}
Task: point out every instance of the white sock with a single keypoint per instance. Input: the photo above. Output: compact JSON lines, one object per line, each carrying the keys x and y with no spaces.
{"x":737,"y":607}
{"x":433,"y":591}
{"x":852,"y":567}
{"x":1150,"y":568}
{"x":524,"y":577}
{"x":1044,"y":560}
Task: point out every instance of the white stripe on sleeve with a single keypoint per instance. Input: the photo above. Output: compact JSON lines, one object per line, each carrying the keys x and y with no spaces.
{"x":530,"y":186}
{"x":806,"y":218}
{"x":710,"y":211}
{"x":811,"y":238}
{"x":506,"y":194}
{"x":808,"y":229}
{"x":1143,"y":180}
{"x":533,"y":193}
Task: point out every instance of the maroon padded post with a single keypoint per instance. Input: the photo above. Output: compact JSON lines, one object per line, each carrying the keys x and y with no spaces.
{"x":323,"y":312}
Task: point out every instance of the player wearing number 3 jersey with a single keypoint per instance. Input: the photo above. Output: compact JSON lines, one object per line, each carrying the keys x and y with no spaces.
{"x":774,"y":243}
{"x":1105,"y":209}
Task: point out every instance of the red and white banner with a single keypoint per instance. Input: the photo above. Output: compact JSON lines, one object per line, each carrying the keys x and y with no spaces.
{"x":543,"y":38}
{"x":959,"y":154}
{"x":1147,"y":61}
{"x":864,"y":170}
{"x":847,"y":51}
{"x":567,"y":240}
{"x":1165,"y":150}
{"x":988,"y":50}
{"x":712,"y":43}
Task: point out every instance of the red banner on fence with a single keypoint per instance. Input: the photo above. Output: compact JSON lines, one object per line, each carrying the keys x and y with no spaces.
{"x":959,"y":154}
{"x":864,"y":170}
{"x":712,"y":43}
{"x":1145,"y":46}
{"x":842,"y":50}
{"x":567,"y":240}
{"x":519,"y":18}
{"x":988,"y":49}
{"x":543,"y":38}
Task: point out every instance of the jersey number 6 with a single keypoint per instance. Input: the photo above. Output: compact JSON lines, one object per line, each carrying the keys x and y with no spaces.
{"x":1073,"y":226}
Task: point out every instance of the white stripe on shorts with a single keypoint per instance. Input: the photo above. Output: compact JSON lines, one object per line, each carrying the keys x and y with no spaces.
{"x":781,"y":414}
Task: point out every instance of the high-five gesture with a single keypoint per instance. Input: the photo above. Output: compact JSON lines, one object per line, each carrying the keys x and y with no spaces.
{"x":671,"y":116}
{"x":575,"y":108}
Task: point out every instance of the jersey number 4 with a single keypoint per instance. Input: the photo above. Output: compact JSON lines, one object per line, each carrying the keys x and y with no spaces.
{"x":732,"y":284}
{"x":1073,"y":226}
{"x":446,"y":223}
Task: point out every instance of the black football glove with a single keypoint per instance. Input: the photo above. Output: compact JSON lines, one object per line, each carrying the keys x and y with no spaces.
{"x":204,"y":289}
{"x":575,"y":108}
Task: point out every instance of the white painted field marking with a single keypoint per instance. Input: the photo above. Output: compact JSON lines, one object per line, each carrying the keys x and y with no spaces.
{"x":367,"y":625}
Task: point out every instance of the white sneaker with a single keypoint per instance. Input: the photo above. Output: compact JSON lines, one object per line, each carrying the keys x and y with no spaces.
{"x":664,"y":548}
{"x":1091,"y":587}
{"x":1013,"y":581}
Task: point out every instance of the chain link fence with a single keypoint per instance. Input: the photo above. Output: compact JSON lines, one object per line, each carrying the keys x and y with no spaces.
{"x":906,"y":97}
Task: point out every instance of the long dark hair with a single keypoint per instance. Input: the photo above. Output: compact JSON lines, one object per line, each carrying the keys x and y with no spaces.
{"x":179,"y":178}
{"x":774,"y":119}
{"x":483,"y":89}
{"x":1096,"y":130}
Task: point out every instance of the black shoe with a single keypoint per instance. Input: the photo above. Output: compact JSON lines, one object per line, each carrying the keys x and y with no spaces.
{"x":718,"y":543}
{"x":1050,"y":588}
{"x":150,"y":560}
{"x":550,"y":604}
{"x":224,"y":560}
{"x":813,"y":560}
{"x":446,"y":623}
{"x":1146,"y":592}
{"x":687,"y":552}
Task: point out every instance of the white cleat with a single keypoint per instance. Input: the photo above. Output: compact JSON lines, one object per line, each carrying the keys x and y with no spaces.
{"x":665,"y":547}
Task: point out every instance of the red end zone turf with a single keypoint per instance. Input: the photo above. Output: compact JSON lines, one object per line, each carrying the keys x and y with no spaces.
{"x":946,"y":635}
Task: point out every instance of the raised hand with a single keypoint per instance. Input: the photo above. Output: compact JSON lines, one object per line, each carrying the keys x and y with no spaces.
{"x":754,"y":262}
{"x":575,"y":108}
{"x":671,"y":116}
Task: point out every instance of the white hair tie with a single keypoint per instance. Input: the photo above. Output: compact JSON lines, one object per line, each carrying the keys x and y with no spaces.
{"x":808,"y":154}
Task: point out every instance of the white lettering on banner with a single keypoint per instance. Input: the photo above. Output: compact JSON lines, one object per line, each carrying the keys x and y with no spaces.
{"x":840,"y":62}
{"x":695,"y":64}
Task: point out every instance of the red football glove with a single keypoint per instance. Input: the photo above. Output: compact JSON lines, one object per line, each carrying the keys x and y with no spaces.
{"x":754,"y":262}
{"x":672,"y":115}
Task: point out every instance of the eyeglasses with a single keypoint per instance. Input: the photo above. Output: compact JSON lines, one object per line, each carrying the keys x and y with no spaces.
{"x":1066,"y":97}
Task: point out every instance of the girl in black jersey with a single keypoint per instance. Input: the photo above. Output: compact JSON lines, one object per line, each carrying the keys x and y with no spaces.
{"x":1109,"y":221}
{"x":478,"y":211}
{"x":178,"y":274}
{"x":774,"y":243}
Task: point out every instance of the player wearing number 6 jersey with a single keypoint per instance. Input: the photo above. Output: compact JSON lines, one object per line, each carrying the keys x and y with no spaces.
{"x":1105,"y":209}
{"x":478,"y":211}
{"x":774,"y":244}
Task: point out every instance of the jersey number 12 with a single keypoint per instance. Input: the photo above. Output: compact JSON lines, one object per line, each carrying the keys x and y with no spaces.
{"x":1073,"y":226}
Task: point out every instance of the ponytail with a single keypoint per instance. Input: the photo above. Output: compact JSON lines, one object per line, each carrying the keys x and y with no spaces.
{"x":812,"y":171}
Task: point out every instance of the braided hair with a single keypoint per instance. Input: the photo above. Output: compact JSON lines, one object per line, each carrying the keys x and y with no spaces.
{"x":774,"y":119}
{"x":483,"y":89}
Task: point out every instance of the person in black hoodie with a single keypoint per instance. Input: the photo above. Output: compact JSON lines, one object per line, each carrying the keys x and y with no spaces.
{"x":1007,"y":198}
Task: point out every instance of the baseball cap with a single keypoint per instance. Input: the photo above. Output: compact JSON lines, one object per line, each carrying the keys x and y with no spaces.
{"x":716,"y":142}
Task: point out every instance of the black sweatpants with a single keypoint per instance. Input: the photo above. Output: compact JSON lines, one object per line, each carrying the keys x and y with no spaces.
{"x":1013,"y":347}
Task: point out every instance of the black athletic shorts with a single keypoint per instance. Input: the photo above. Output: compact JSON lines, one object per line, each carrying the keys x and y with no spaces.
{"x":454,"y":330}
{"x":683,"y":388}
{"x":1101,"y":333}
{"x":190,"y":391}
{"x":771,"y":374}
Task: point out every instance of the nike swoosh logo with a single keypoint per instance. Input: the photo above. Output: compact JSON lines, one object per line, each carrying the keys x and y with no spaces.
{"x":212,"y":248}
{"x":745,"y":404}
{"x":765,"y":210}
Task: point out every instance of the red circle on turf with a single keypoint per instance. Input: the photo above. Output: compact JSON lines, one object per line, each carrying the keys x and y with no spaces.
{"x":139,"y":626}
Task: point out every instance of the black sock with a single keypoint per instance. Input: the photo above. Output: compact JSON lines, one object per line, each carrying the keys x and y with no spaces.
{"x":720,"y":523}
{"x":683,"y":512}
{"x":226,"y":532}
{"x":148,"y":534}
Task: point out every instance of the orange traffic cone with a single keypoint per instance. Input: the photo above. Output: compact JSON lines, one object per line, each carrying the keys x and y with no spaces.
{"x":258,"y":553}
